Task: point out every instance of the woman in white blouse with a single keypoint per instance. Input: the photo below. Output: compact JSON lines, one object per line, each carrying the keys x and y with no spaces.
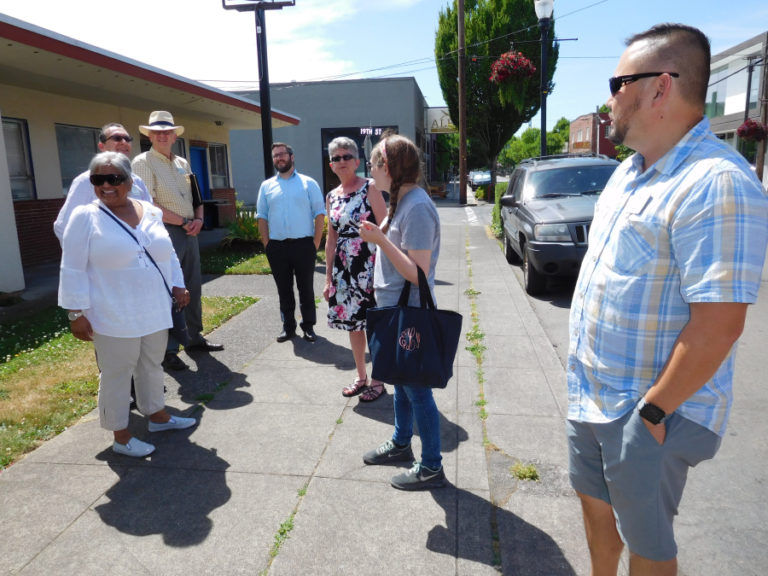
{"x":117,"y":299}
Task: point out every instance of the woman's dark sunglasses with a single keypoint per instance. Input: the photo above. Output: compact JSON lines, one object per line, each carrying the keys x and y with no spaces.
{"x":345,"y":157}
{"x":111,"y":179}
{"x":617,"y":82}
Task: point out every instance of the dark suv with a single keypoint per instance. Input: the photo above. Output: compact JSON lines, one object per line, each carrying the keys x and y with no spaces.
{"x":546,"y":213}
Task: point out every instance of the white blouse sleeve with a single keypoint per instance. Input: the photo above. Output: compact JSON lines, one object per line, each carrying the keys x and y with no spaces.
{"x":74,"y":292}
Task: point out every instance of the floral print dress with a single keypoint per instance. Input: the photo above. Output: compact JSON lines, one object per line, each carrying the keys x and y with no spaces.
{"x":351,"y":292}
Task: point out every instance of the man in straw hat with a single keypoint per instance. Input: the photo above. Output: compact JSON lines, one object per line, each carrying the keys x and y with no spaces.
{"x":167,"y":177}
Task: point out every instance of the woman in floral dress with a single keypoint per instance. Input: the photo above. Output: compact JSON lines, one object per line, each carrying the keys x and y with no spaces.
{"x":349,"y":260}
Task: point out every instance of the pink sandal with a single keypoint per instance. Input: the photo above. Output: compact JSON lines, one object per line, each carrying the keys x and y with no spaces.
{"x":356,"y":388}
{"x":373,"y":391}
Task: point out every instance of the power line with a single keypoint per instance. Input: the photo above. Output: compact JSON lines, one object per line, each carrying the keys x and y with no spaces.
{"x":434,"y":59}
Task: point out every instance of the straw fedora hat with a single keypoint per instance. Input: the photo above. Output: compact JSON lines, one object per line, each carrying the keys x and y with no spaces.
{"x":161,"y":120}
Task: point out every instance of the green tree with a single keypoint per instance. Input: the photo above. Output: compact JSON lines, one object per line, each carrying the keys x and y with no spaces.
{"x":563,"y":128}
{"x":447,"y":153}
{"x":490,"y":27}
{"x":528,"y":145}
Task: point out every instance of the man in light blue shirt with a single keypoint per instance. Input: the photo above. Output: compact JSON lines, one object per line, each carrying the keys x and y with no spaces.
{"x":291,"y":215}
{"x":675,"y":256}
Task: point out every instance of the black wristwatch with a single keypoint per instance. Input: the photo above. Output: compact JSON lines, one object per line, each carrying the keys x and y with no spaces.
{"x":651,"y":412}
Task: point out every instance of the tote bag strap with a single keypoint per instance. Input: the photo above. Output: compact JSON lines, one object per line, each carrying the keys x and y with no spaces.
{"x":108,"y":213}
{"x":425,"y":296}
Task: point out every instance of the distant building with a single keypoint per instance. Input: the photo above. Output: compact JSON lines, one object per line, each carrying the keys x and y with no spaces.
{"x":55,"y":94}
{"x":590,"y":133}
{"x":736,"y":89}
{"x":358,"y":109}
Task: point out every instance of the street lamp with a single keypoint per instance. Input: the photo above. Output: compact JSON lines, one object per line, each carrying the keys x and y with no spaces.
{"x":265,"y":102}
{"x":544,"y":10}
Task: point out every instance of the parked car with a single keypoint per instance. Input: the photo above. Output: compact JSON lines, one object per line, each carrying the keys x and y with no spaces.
{"x":477,"y":179}
{"x":546,"y":213}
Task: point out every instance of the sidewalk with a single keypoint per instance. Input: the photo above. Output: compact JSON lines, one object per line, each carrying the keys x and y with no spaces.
{"x":278,"y":446}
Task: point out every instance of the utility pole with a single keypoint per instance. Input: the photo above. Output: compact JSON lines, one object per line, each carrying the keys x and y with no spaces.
{"x":750,"y":69}
{"x":763,"y":104}
{"x":462,"y":109}
{"x":265,"y":101}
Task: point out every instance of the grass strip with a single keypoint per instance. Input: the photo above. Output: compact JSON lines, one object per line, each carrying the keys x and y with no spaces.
{"x":49,"y":379}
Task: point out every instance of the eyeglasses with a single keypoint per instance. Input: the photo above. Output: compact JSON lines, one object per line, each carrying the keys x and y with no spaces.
{"x":111,"y":179}
{"x":345,"y":157}
{"x":371,"y":165}
{"x":118,"y":138}
{"x":279,"y":155}
{"x":617,"y":82}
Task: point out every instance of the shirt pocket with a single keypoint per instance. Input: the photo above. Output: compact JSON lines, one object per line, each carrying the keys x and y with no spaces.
{"x":632,"y":249}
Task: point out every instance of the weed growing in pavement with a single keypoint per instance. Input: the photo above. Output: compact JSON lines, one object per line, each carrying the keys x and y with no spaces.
{"x":525,"y":471}
{"x":476,"y":337}
{"x":282,"y":535}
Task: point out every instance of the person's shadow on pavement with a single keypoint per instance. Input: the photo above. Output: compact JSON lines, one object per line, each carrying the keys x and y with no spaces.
{"x":172,"y":494}
{"x":212,"y":379}
{"x":523,"y":548}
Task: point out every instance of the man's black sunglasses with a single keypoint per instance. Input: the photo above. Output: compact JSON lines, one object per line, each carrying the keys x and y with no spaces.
{"x":345,"y":157}
{"x":117,"y":138}
{"x":111,"y":179}
{"x":617,"y":82}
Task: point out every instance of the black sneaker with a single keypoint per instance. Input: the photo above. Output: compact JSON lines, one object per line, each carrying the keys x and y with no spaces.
{"x":388,"y":453}
{"x":419,"y":478}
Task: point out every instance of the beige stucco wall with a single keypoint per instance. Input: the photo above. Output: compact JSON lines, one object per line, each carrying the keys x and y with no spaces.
{"x":11,"y":272}
{"x":43,"y":111}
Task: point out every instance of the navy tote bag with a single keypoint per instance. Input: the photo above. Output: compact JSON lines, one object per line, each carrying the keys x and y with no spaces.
{"x":413,"y":346}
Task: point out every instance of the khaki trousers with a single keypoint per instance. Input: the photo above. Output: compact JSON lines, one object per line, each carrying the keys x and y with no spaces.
{"x":121,"y":358}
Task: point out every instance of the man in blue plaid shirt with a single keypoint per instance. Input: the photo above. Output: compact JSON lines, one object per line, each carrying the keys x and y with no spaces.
{"x":676,"y":251}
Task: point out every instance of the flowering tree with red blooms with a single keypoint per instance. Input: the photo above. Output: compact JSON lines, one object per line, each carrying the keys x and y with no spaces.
{"x":512,"y":72}
{"x":502,"y":85}
{"x":752,"y":131}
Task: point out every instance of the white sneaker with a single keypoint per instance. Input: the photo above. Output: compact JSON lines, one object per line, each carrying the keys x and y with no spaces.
{"x":175,"y":423}
{"x":134,"y":447}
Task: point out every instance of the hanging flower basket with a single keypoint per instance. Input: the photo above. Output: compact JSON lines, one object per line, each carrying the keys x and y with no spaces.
{"x":752,"y":131}
{"x":511,"y":65}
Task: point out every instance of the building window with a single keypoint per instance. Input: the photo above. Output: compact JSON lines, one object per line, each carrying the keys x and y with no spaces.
{"x":217,"y":154}
{"x":717,"y":88}
{"x":19,"y":159}
{"x":77,"y":145}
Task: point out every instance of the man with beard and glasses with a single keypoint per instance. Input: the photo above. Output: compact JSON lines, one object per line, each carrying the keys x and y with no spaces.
{"x":291,"y":214}
{"x":676,"y":251}
{"x":112,"y":138}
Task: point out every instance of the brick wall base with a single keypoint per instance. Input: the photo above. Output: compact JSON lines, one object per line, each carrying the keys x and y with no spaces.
{"x":34,"y":223}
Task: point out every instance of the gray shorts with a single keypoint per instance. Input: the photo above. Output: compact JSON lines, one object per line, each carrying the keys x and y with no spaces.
{"x":620,"y":463}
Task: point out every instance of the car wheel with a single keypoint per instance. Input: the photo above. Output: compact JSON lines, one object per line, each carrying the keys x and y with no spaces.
{"x":509,"y":252}
{"x":534,"y":281}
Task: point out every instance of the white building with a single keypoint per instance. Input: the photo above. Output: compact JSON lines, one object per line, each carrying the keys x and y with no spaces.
{"x":733,"y":71}
{"x":55,"y":94}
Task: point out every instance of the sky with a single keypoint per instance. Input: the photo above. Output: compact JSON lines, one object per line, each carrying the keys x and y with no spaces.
{"x":344,"y":39}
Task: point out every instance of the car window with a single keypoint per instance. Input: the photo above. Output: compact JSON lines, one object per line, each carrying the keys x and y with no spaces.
{"x":517,"y":191}
{"x":568,"y":181}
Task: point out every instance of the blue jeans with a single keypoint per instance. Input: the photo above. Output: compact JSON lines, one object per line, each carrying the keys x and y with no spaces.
{"x":417,"y":402}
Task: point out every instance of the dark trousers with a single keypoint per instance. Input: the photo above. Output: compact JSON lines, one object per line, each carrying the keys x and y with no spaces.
{"x":289,"y":258}
{"x":188,"y":252}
